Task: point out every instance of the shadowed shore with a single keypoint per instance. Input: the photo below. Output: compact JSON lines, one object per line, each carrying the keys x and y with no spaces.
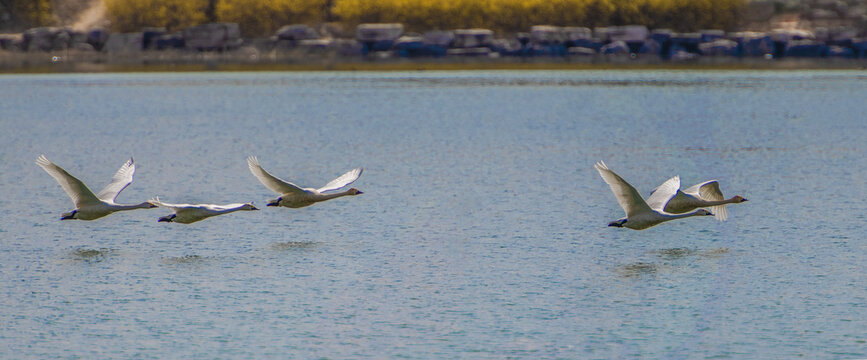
{"x":90,"y":62}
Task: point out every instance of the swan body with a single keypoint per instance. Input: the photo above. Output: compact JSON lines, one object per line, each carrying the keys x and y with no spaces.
{"x":639,"y":215}
{"x":90,"y":206}
{"x":187,"y":213}
{"x":293,"y":196}
{"x":702,"y":195}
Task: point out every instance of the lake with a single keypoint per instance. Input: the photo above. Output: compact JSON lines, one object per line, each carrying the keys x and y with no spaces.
{"x":481,"y":232}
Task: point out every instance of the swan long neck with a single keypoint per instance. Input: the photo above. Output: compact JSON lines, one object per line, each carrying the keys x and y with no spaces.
{"x":732,"y":200}
{"x":324,"y":197}
{"x":144,"y":205}
{"x":681,"y":216}
{"x":226,"y":211}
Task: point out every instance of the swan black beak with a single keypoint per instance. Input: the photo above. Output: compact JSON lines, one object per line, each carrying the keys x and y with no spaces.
{"x":359,"y":192}
{"x":68,"y":216}
{"x":253,"y":207}
{"x":275,"y":202}
{"x":167,"y":218}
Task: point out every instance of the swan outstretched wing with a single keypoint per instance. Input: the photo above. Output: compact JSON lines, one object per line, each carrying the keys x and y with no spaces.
{"x":663,"y":194}
{"x":629,"y":198}
{"x":270,"y":181}
{"x":195,"y":207}
{"x":710,"y":191}
{"x":226,"y":207}
{"x":343,"y":180}
{"x":121,"y":179}
{"x":77,"y":191}
{"x":156,"y":201}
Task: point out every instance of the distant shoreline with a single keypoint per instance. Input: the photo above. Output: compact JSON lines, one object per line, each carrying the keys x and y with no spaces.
{"x":42,"y":63}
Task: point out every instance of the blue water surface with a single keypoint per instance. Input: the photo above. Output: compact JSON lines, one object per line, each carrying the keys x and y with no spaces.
{"x":481,"y":232}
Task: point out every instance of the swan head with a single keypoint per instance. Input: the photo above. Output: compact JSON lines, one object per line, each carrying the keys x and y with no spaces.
{"x":69,"y":216}
{"x":617,"y":223}
{"x":703,"y":212}
{"x":739,"y":199}
{"x":249,"y":206}
{"x":167,"y":218}
{"x":275,"y":202}
{"x":151,"y":204}
{"x":354,"y":191}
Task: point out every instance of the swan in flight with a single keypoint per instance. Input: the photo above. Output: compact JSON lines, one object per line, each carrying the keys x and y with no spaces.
{"x":187,"y":213}
{"x":87,"y":205}
{"x":293,"y":196}
{"x":639,"y":215}
{"x":704,"y":195}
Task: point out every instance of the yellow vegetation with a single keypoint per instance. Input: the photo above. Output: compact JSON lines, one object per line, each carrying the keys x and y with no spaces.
{"x":519,"y":15}
{"x":132,"y":15}
{"x":28,"y":13}
{"x":263,"y":17}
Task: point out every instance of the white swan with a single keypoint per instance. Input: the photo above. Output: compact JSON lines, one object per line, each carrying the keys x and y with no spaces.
{"x":187,"y":213}
{"x":704,"y":195}
{"x":639,"y":215}
{"x":293,"y":196}
{"x":87,"y":205}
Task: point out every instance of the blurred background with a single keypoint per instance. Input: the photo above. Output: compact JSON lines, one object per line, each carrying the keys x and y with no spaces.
{"x":277,"y":30}
{"x":258,"y":18}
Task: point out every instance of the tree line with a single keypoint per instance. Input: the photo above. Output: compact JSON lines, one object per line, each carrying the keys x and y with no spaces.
{"x":264,"y":17}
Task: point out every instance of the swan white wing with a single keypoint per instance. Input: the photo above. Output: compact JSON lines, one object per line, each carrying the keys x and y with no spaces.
{"x":226,"y":207}
{"x":156,"y":201}
{"x":663,"y":194}
{"x":121,"y":179}
{"x":343,"y":180}
{"x":77,"y":191}
{"x":196,"y":207}
{"x":629,"y":198}
{"x":710,"y":191}
{"x":270,"y":181}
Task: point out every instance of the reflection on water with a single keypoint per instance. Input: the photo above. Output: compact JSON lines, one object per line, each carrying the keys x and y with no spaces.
{"x":637,"y":269}
{"x":683,"y":252}
{"x":670,"y":260}
{"x":89,"y":255}
{"x":186,"y":259}
{"x":675,"y":253}
{"x":715,"y":253}
{"x":291,"y":245}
